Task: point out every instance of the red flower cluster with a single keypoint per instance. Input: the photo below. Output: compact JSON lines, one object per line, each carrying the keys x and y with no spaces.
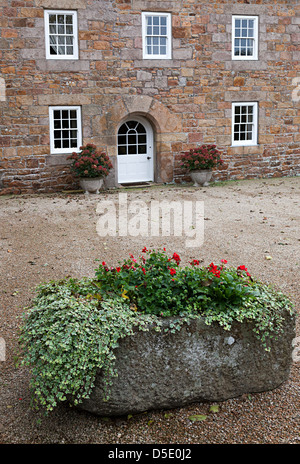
{"x":90,"y":162}
{"x":176,"y":258}
{"x":214,"y":270}
{"x":243,"y":268}
{"x":203,"y":157}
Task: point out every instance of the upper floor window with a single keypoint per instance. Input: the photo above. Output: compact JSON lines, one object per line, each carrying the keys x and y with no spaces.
{"x":244,"y":37}
{"x":157,"y":36}
{"x":61,"y":34}
{"x":65,"y":129}
{"x":244,"y":123}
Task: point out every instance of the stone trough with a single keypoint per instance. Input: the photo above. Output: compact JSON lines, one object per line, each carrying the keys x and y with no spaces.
{"x":163,"y":370}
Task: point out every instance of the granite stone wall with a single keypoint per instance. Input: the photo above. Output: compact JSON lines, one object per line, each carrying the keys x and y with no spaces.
{"x":187,"y":99}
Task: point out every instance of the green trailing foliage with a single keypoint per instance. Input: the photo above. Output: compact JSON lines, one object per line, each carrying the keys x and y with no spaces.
{"x":74,"y":326}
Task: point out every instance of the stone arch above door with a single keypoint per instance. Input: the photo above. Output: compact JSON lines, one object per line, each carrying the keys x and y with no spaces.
{"x":167,"y":128}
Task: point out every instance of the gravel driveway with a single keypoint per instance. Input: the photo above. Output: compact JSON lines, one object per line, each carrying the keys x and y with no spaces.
{"x":50,"y":236}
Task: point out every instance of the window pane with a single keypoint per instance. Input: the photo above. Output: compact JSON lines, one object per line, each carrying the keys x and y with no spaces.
{"x":132,"y":150}
{"x":65,"y":134}
{"x":122,"y":150}
{"x":131,"y":124}
{"x":53,"y":50}
{"x":142,"y":149}
{"x":122,"y":139}
{"x":142,"y":138}
{"x":131,"y":139}
{"x":123,"y":129}
{"x":140,"y":129}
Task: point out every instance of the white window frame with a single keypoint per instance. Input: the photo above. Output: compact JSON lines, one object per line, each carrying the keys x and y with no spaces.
{"x":152,"y":56}
{"x":254,"y":139}
{"x":54,"y":150}
{"x":255,"y":38}
{"x":72,"y":13}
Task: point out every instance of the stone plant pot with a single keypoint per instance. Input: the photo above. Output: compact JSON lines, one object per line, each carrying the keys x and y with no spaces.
{"x":91,"y":184}
{"x":163,"y":370}
{"x":201,"y":178}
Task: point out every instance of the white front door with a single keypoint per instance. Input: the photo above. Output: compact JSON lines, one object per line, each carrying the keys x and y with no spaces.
{"x":135,"y":151}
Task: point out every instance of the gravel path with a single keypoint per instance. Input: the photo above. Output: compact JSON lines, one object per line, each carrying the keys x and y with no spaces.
{"x":44,"y":237}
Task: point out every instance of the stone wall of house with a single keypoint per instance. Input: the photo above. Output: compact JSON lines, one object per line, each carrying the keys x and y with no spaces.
{"x":187,"y":99}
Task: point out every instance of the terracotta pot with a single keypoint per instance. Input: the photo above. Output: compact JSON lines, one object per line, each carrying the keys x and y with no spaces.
{"x":201,"y":178}
{"x":91,"y":184}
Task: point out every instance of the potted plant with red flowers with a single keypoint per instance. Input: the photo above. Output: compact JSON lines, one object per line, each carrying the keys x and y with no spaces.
{"x":91,"y":166}
{"x":200,"y":162}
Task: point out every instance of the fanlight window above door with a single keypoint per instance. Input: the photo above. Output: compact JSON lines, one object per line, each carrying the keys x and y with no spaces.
{"x":132,"y":139}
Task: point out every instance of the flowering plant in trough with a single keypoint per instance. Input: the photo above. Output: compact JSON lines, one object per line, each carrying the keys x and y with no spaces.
{"x":155,"y":283}
{"x":73,"y":326}
{"x":203,"y":157}
{"x":90,"y":162}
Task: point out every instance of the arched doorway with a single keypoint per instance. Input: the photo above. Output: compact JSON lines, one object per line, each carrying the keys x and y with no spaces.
{"x":135,"y":151}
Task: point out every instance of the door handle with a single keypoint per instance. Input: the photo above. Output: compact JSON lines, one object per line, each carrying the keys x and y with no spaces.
{"x":148,"y":157}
